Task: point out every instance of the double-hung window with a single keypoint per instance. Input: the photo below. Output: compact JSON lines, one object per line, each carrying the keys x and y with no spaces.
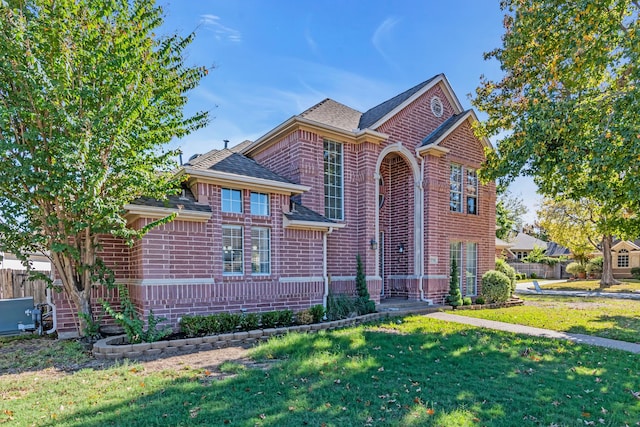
{"x":463,"y":189}
{"x":333,"y":180}
{"x":260,"y":250}
{"x":232,"y":250}
{"x":455,"y":186}
{"x":231,"y":200}
{"x":455,"y":253}
{"x":259,"y":204}
{"x":471,"y":271}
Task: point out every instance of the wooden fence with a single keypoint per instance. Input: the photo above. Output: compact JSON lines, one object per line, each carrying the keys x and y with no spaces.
{"x":16,"y":284}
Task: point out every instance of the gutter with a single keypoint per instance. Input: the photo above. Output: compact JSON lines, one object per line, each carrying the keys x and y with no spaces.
{"x":325,"y":276}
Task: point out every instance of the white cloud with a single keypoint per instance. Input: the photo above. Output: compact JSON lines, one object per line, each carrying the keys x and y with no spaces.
{"x":222,"y":32}
{"x":381,"y":36}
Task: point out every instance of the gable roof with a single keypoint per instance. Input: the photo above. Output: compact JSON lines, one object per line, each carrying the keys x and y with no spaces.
{"x":554,"y":249}
{"x":183,"y":201}
{"x":376,"y":113}
{"x":333,"y":113}
{"x":445,"y":128}
{"x":524,"y":242}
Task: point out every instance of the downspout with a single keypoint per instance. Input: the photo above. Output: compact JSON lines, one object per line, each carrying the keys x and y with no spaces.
{"x":325,"y":275}
{"x":48,"y":292}
{"x":421,"y":240}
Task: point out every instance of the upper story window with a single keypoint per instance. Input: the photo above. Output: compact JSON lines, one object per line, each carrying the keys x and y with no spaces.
{"x":472,"y":192}
{"x":259,"y":204}
{"x":463,"y":198}
{"x":455,"y":187}
{"x":623,"y":258}
{"x":333,"y":180}
{"x":231,"y":200}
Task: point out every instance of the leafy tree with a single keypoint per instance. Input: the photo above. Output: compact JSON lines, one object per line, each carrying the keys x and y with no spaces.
{"x":88,"y":98}
{"x":509,"y":212}
{"x":454,"y":298}
{"x":569,"y":105}
{"x":581,"y":226}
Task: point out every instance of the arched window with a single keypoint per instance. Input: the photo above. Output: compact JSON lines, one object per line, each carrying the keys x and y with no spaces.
{"x":623,"y":258}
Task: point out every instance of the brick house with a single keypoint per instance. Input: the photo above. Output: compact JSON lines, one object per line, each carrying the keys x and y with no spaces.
{"x":277,"y":223}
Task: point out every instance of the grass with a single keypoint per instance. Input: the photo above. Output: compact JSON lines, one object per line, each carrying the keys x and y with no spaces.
{"x":604,"y":317}
{"x":628,"y":285}
{"x":31,"y":352}
{"x":414,"y":372}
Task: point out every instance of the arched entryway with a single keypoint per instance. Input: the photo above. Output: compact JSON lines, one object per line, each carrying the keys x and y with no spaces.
{"x":398,"y":175}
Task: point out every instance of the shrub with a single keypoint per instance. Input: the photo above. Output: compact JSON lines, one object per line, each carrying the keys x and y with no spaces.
{"x":284,"y":318}
{"x":635,"y":272}
{"x":594,"y":266}
{"x":229,"y":322}
{"x":480,"y":299}
{"x":363,"y":303}
{"x":318,"y":312}
{"x":304,"y":317}
{"x":533,"y":276}
{"x":340,"y":306}
{"x":454,"y":298}
{"x":269,"y":319}
{"x":496,"y":286}
{"x":466,"y":301}
{"x":131,"y":321}
{"x":507,"y":270}
{"x":575,"y":269}
{"x":249,"y":321}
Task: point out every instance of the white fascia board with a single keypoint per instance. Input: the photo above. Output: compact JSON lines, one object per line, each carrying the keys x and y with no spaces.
{"x":155,"y":212}
{"x":625,"y":244}
{"x":451,"y":96}
{"x":355,"y":136}
{"x":310,"y":225}
{"x":227,"y":178}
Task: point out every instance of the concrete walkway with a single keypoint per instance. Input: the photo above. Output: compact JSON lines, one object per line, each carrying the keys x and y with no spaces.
{"x":523,"y":289}
{"x":537,"y":332}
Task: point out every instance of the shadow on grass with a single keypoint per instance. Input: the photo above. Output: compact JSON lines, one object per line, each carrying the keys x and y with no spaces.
{"x":619,"y":327}
{"x":416,"y":372}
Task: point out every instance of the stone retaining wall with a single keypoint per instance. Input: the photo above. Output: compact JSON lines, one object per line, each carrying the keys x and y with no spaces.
{"x":116,"y":348}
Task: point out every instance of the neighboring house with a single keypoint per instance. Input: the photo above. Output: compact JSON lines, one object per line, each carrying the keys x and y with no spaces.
{"x":522,"y":244}
{"x":277,"y":223}
{"x":503,"y":249}
{"x":38,"y":262}
{"x":625,"y":254}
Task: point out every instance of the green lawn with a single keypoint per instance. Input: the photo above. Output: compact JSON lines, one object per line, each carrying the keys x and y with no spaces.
{"x":628,"y":285}
{"x":413,"y":372}
{"x":605,"y":317}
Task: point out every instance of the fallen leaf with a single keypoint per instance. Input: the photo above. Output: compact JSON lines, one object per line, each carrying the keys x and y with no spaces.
{"x":430,"y":411}
{"x":263,"y":416}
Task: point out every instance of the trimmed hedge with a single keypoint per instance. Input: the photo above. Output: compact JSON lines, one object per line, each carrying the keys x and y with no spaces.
{"x":222,"y":323}
{"x":496,"y":286}
{"x":507,"y":270}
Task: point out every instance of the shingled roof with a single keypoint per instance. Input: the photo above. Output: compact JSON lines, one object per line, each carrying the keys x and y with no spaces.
{"x":333,"y":113}
{"x":302,"y":213}
{"x":379,"y":111}
{"x":228,"y":161}
{"x":183,"y":201}
{"x":451,"y":122}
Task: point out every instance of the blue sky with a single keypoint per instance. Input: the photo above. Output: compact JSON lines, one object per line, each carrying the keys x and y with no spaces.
{"x":274,"y":59}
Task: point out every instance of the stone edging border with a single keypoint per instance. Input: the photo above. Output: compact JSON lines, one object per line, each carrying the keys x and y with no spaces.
{"x":113,"y":348}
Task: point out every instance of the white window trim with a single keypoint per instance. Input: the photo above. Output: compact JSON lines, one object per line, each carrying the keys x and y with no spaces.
{"x":268,"y":230}
{"x":251,"y":204}
{"x":234,"y":273}
{"x":222,"y":199}
{"x":341,"y":145}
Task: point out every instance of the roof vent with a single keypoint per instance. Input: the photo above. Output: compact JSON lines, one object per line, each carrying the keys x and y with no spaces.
{"x":436,"y":106}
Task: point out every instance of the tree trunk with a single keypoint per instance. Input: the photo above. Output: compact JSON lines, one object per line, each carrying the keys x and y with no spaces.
{"x":79,"y":293}
{"x":607,"y":263}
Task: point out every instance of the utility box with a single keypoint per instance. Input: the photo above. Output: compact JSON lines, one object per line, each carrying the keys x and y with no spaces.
{"x":15,"y":315}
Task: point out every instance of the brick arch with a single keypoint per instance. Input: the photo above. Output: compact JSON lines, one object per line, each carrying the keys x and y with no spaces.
{"x":398,"y":221}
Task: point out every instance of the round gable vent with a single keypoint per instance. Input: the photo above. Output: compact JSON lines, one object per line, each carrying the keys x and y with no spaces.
{"x":436,"y":106}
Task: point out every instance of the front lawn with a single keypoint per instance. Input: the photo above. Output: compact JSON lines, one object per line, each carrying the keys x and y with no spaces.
{"x":627,"y":285}
{"x":413,"y":372}
{"x":604,"y":317}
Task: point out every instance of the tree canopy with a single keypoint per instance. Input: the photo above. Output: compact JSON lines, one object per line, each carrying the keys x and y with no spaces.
{"x":569,"y":103}
{"x":89,"y":96}
{"x":509,"y":214}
